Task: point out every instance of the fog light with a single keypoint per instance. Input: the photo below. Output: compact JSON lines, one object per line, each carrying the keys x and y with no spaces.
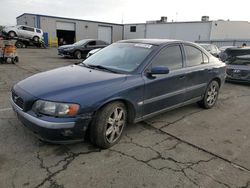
{"x":67,"y":133}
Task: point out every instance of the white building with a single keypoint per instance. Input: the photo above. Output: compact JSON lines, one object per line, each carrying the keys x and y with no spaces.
{"x":219,"y":32}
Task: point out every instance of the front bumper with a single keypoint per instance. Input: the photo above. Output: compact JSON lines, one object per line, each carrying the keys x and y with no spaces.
{"x":65,"y":53}
{"x":53,"y":131}
{"x":230,"y":79}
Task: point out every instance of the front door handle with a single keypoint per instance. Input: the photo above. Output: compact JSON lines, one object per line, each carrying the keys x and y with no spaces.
{"x":209,"y":70}
{"x":182,"y":77}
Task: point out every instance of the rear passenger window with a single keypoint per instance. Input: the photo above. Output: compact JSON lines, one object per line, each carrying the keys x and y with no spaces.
{"x":170,"y":57}
{"x":92,"y":43}
{"x":101,"y":43}
{"x":205,"y":58}
{"x":28,"y":29}
{"x":193,"y":56}
{"x":38,"y":31}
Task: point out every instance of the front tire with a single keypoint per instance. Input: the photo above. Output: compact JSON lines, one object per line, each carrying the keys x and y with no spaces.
{"x":78,"y":54}
{"x":11,"y":34}
{"x":107,"y":128}
{"x":211,"y":95}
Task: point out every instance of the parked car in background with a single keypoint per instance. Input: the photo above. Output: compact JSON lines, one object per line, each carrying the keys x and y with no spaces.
{"x":81,"y":48}
{"x":223,"y":48}
{"x":222,"y":54}
{"x":24,"y":31}
{"x":238,"y":64}
{"x":211,"y":48}
{"x":93,"y":52}
{"x":126,"y":82}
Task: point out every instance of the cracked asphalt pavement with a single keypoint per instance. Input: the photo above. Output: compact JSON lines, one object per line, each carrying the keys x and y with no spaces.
{"x":187,"y":147}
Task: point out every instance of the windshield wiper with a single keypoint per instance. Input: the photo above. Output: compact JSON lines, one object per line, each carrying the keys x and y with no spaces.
{"x":101,"y":67}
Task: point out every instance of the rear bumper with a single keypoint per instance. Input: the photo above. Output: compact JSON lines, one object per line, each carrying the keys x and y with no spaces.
{"x":56,"y":131}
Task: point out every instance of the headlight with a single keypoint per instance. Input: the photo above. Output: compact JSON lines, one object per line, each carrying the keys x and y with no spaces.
{"x":55,"y":109}
{"x":69,"y":48}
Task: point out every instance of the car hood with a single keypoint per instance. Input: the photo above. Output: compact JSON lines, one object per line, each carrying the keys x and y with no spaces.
{"x":66,"y":46}
{"x":68,"y":82}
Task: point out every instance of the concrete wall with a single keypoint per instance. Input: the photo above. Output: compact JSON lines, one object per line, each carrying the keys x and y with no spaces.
{"x":189,"y":31}
{"x":140,"y":31}
{"x":228,"y":30}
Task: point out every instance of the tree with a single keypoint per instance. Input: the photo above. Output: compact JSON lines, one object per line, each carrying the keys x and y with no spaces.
{"x":1,"y":28}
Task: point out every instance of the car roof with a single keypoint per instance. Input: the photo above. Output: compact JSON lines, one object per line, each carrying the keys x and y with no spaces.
{"x":156,"y":42}
{"x":28,"y":26}
{"x":205,"y":44}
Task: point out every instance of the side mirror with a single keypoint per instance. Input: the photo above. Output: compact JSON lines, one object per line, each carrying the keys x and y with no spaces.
{"x":158,"y":70}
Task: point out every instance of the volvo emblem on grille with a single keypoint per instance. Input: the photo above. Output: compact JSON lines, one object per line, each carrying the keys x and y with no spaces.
{"x":236,"y":71}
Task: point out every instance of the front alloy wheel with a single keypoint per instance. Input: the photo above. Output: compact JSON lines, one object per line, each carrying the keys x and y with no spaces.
{"x":115,"y":124}
{"x":107,"y":128}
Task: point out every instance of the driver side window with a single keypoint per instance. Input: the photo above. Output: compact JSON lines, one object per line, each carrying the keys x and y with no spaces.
{"x":170,"y":57}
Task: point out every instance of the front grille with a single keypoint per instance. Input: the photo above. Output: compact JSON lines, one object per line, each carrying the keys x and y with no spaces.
{"x":244,"y":73}
{"x":17,"y":100}
{"x":236,"y":73}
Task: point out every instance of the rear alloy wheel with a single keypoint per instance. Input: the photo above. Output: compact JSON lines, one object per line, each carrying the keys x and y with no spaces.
{"x":19,"y":44}
{"x":211,"y":95}
{"x":78,"y":54}
{"x":11,"y":34}
{"x":107,"y":128}
{"x":36,"y":38}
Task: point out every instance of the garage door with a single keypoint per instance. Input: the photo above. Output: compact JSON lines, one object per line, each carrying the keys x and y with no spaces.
{"x":66,"y":26}
{"x":105,"y":33}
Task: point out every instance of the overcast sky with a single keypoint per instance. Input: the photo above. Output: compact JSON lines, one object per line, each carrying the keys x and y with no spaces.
{"x":130,"y":11}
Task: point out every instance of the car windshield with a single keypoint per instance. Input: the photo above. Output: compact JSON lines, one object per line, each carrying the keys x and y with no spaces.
{"x":120,"y":57}
{"x":243,"y":60}
{"x":81,"y":42}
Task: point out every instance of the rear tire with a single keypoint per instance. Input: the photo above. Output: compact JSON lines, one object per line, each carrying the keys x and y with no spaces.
{"x":211,"y":95}
{"x":78,"y":54}
{"x":12,"y":34}
{"x":36,"y":38}
{"x":108,"y":125}
{"x":19,"y":44}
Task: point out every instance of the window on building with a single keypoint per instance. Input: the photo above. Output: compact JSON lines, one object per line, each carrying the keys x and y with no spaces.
{"x":193,"y":56}
{"x":132,"y":28}
{"x":170,"y":57}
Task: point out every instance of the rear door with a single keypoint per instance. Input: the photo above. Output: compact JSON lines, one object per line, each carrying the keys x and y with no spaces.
{"x":165,"y":91}
{"x":27,"y":32}
{"x":197,"y":70}
{"x":21,"y":31}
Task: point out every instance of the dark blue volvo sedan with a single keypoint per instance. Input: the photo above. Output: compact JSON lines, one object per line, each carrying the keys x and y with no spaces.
{"x":125,"y":82}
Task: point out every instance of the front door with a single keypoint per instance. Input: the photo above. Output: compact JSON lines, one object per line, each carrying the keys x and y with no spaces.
{"x":165,"y":91}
